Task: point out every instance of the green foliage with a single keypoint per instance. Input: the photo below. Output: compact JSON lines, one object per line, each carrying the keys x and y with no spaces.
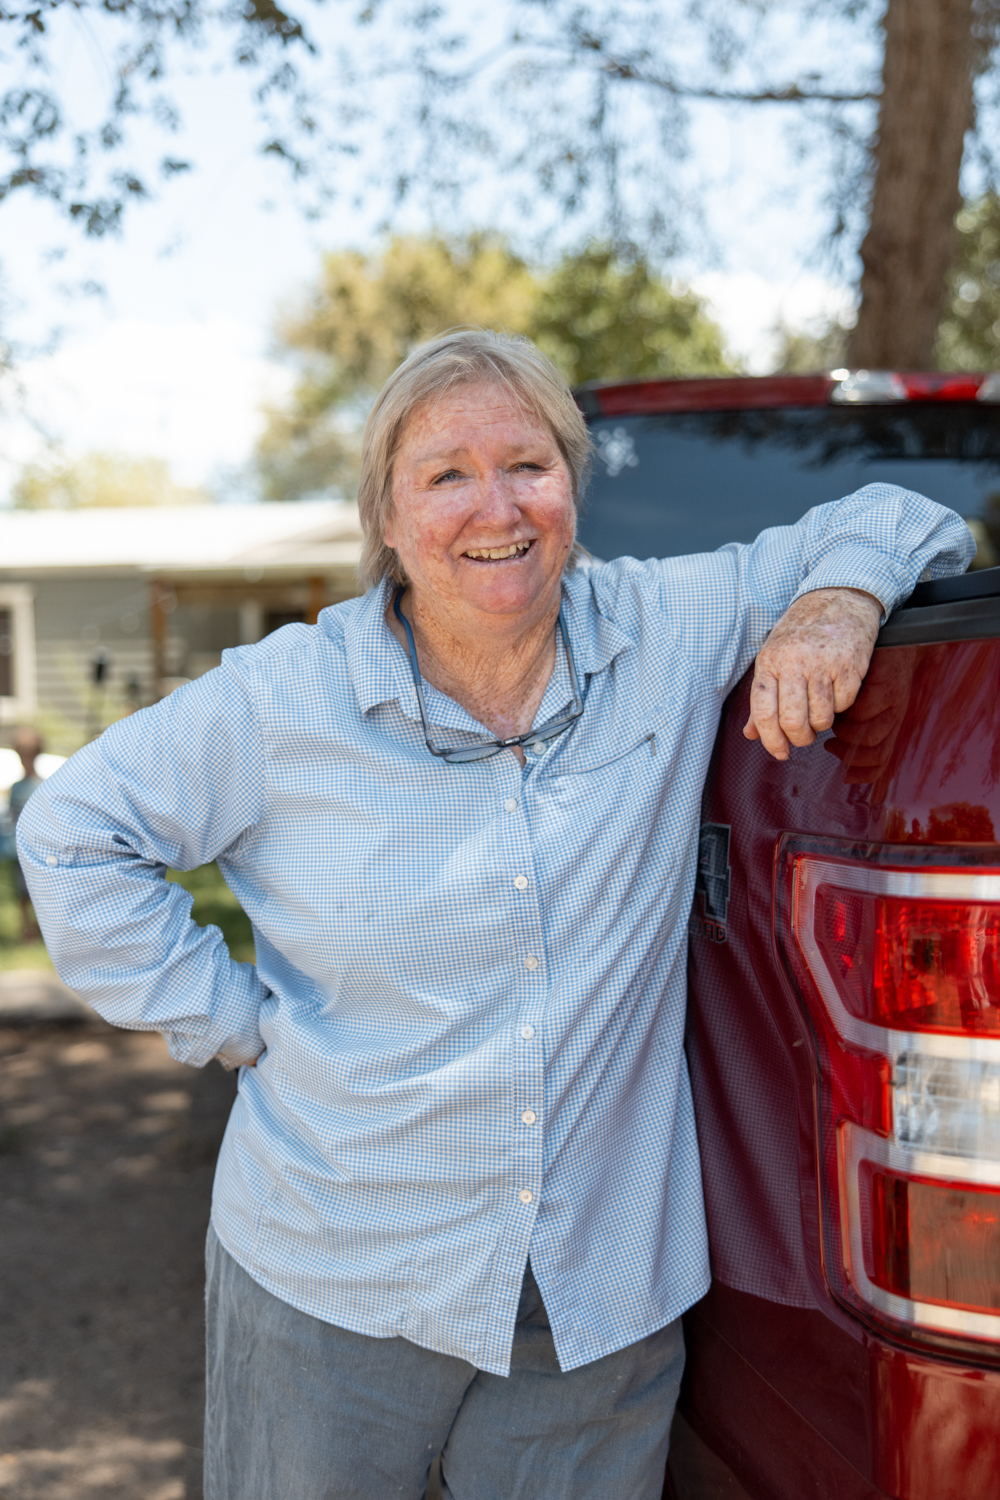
{"x":599,"y":317}
{"x":595,"y":314}
{"x":69,"y":143}
{"x":214,"y":903}
{"x":969,"y":334}
{"x":100,"y":479}
{"x":13,"y":953}
{"x":804,"y":351}
{"x":363,"y":317}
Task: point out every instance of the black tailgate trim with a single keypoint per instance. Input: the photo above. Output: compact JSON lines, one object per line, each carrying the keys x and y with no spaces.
{"x":977,"y":585}
{"x":960,"y":620}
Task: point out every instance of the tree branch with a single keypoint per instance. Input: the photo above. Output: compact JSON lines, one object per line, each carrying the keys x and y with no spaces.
{"x":634,"y":72}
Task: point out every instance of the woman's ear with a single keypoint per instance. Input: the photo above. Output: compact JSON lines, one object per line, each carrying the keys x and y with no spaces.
{"x":388,"y":527}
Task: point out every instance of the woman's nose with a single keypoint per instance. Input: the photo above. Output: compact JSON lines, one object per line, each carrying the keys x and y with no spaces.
{"x":496,"y":500}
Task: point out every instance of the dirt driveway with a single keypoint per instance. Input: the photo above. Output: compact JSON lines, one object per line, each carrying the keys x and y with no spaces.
{"x":107,"y":1149}
{"x":106,"y":1156}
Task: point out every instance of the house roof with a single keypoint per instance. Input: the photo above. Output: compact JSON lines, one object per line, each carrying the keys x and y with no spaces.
{"x":191,"y":540}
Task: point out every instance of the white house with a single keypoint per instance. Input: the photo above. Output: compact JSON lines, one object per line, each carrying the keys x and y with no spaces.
{"x":105,"y":610}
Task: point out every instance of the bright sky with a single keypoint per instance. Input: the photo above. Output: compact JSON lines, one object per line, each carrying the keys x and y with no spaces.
{"x":175,"y":361}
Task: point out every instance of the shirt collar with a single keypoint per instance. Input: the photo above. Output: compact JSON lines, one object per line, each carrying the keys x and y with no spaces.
{"x":379,"y":668}
{"x":376,"y":662}
{"x":595,"y":639}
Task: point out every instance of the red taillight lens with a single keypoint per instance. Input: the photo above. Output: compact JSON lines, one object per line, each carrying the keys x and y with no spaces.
{"x":912,"y":965}
{"x":937,"y":966}
{"x":897,"y":964}
{"x":863,"y":387}
{"x":935,"y":1242}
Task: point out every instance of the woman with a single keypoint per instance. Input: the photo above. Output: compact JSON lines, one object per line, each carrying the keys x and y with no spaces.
{"x":458,"y":1204}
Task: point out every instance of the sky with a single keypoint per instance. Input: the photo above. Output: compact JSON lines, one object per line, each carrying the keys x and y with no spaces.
{"x":174,"y":357}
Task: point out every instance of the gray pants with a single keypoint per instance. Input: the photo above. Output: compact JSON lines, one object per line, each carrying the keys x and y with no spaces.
{"x":300,"y":1410}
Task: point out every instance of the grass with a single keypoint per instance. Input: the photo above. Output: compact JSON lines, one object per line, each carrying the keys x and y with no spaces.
{"x":214,"y":903}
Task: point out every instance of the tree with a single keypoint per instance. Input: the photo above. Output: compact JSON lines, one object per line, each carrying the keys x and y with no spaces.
{"x":968,"y":332}
{"x":594,"y":314}
{"x":821,"y":346}
{"x":100,"y":479}
{"x":579,"y":110}
{"x":364,"y":315}
{"x":601,"y":316}
{"x":614,"y":82}
{"x":84,"y":168}
{"x":968,"y":336}
{"x":925,"y":113}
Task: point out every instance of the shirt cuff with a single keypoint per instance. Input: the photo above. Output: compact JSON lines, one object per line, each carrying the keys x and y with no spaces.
{"x":858,"y":567}
{"x":233,"y":1034}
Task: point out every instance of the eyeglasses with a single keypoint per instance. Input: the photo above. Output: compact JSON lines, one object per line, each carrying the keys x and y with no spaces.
{"x":457,"y":754}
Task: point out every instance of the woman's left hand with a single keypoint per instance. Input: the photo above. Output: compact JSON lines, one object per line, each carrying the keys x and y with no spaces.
{"x":811,"y":667}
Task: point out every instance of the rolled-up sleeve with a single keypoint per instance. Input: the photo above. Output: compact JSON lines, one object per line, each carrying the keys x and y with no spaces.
{"x":721,"y":605}
{"x":172,"y":786}
{"x":884,"y":540}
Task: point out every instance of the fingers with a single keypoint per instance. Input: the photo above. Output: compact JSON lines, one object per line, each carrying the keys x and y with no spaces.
{"x":847,"y":687}
{"x":822,"y":704}
{"x":781,"y":711}
{"x":763,"y":721}
{"x":811,"y":667}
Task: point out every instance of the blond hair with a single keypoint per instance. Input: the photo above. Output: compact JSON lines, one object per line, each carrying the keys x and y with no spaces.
{"x":462,"y":357}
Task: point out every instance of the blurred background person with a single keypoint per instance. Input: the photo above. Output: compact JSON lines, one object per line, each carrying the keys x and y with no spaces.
{"x":29,"y":746}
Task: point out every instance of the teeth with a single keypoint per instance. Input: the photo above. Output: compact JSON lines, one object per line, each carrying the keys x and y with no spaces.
{"x":498,"y":552}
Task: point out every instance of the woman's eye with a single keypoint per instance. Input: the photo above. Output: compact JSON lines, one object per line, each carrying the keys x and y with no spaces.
{"x":527,"y":464}
{"x":448,"y":474}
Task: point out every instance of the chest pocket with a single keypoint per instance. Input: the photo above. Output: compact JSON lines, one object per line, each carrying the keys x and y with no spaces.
{"x":632,"y":771}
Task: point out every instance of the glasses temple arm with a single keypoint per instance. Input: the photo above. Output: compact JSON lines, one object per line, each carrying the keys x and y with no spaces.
{"x":417,"y":682}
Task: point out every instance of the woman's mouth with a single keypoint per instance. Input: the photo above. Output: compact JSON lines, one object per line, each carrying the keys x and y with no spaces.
{"x":499,"y":554}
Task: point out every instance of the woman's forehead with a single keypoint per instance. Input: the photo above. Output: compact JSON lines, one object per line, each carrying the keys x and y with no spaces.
{"x":467,"y":413}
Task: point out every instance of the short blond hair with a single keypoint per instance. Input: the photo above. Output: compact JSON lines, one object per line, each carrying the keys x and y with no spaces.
{"x":462,"y":357}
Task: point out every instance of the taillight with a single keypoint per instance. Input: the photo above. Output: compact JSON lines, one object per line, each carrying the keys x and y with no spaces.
{"x":879,"y":387}
{"x":897,"y":962}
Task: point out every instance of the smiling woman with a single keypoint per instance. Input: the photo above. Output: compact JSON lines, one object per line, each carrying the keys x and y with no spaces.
{"x":463,"y":1162}
{"x":481,"y":525}
{"x":512,"y":369}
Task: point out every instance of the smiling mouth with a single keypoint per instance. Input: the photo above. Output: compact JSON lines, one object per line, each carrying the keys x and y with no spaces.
{"x":499,"y":554}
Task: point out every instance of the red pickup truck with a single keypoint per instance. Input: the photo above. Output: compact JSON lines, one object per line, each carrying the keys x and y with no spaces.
{"x":844,"y":1021}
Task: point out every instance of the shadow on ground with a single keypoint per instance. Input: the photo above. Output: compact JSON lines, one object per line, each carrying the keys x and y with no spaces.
{"x":107,"y":1148}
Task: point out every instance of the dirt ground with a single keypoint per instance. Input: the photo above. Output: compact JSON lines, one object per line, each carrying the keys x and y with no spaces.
{"x":107,"y":1149}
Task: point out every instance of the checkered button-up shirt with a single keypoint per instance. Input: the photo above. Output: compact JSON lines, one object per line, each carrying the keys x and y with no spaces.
{"x":470,"y":980}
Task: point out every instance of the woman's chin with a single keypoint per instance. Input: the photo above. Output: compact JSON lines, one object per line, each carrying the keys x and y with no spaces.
{"x":503,"y":588}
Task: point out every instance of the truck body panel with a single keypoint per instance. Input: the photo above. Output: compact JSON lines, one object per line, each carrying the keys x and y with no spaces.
{"x":816,"y":1369}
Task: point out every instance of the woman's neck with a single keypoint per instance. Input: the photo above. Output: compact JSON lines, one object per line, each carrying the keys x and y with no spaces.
{"x":497,"y":672}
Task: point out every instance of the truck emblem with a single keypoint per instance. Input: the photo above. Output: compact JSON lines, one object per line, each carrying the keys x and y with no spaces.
{"x":713,"y":868}
{"x":617,"y":450}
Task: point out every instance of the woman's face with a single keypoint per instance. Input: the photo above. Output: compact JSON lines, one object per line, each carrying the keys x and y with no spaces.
{"x":483,"y":516}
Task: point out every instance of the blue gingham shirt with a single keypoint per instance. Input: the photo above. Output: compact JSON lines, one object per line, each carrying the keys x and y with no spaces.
{"x":470,"y":981}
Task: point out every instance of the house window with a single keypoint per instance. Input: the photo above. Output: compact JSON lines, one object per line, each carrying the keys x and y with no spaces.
{"x":6,"y":652}
{"x":17,"y":652}
{"x":274,"y":619}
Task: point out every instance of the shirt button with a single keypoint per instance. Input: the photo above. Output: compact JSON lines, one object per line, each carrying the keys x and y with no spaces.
{"x":521,"y":882}
{"x":527,"y":1032}
{"x":538,"y":748}
{"x":510,"y":805}
{"x":529,"y":1117}
{"x":525,"y":1195}
{"x":52,"y":860}
{"x":530,"y":961}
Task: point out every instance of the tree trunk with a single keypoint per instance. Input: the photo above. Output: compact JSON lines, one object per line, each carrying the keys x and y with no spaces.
{"x":925,"y":111}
